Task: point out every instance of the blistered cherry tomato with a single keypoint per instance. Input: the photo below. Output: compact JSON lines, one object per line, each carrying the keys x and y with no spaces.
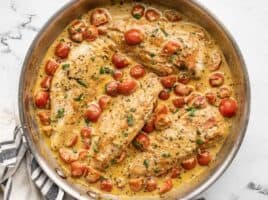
{"x":99,"y":17}
{"x":77,"y":169}
{"x":51,"y":67}
{"x":172,"y":15}
{"x":189,"y":163}
{"x":182,"y":90}
{"x":228,"y":107}
{"x":164,"y":95}
{"x":141,"y":142}
{"x":152,"y":14}
{"x":137,"y":71}
{"x":136,"y":184}
{"x":62,"y":50}
{"x":93,"y":112}
{"x":106,"y":185}
{"x":117,"y":74}
{"x":138,"y":11}
{"x":44,"y":117}
{"x":211,"y":97}
{"x":119,"y":61}
{"x":175,"y":172}
{"x":167,"y":186}
{"x":111,"y":88}
{"x":91,"y":33}
{"x":76,"y":30}
{"x":46,"y":82}
{"x":127,"y":87}
{"x":41,"y":99}
{"x":171,"y":47}
{"x":151,"y":184}
{"x":204,"y":158}
{"x":178,"y":102}
{"x":184,"y":77}
{"x":216,"y":79}
{"x":86,"y":132}
{"x":149,"y":125}
{"x":133,"y":37}
{"x":168,"y":81}
{"x":104,"y":101}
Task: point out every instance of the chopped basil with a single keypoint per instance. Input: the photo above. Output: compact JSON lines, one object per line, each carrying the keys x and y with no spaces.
{"x":164,"y":32}
{"x":199,"y":142}
{"x":152,"y":55}
{"x":65,"y":66}
{"x":60,"y":113}
{"x":95,"y":148}
{"x":191,"y":111}
{"x":130,"y":120}
{"x":80,"y":97}
{"x":105,"y":70}
{"x":80,"y":82}
{"x":137,"y":144}
{"x":137,"y":16}
{"x":146,"y":163}
{"x":165,"y":155}
{"x":87,"y":122}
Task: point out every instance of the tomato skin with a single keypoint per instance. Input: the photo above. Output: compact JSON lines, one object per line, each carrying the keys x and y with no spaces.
{"x":133,"y":37}
{"x":189,"y":163}
{"x":99,"y":17}
{"x":171,"y":47}
{"x":106,"y":185}
{"x":46,"y":82}
{"x":138,"y":11}
{"x":228,"y":107}
{"x":119,"y":61}
{"x":178,"y":102}
{"x":117,"y":75}
{"x":136,"y":184}
{"x":76,"y":30}
{"x":175,"y":172}
{"x":127,"y":87}
{"x":137,"y":71}
{"x":91,"y":33}
{"x":152,"y":15}
{"x":151,"y":184}
{"x":142,"y":142}
{"x":204,"y":158}
{"x":86,"y":132}
{"x":167,"y":186}
{"x":216,"y":79}
{"x":111,"y":88}
{"x":211,"y":98}
{"x":168,"y":81}
{"x":51,"y":67}
{"x":184,"y":78}
{"x":44,"y":117}
{"x":149,"y":126}
{"x":62,"y":50}
{"x":42,"y":99}
{"x":164,"y":95}
{"x":93,"y":112}
{"x":77,"y":169}
{"x":104,"y":101}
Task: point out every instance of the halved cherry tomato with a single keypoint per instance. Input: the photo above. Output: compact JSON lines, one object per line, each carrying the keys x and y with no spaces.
{"x":99,"y":17}
{"x":168,"y":81}
{"x":152,"y":14}
{"x":204,"y":158}
{"x":136,"y":184}
{"x":91,"y":33}
{"x":120,"y":61}
{"x":104,"y":101}
{"x":137,"y":71}
{"x":51,"y":67}
{"x":189,"y":163}
{"x":92,"y":175}
{"x":175,"y":172}
{"x":228,"y":107}
{"x":211,"y":97}
{"x":76,"y":30}
{"x":138,"y":11}
{"x":141,"y":141}
{"x":86,"y":132}
{"x":44,"y":117}
{"x":93,"y":112}
{"x":111,"y":88}
{"x":106,"y":185}
{"x":127,"y":87}
{"x":72,"y":141}
{"x":41,"y":99}
{"x":149,"y":125}
{"x":46,"y":82}
{"x":184,"y":77}
{"x":77,"y":169}
{"x":151,"y":184}
{"x":182,"y":90}
{"x":167,"y":186}
{"x":216,"y":79}
{"x":133,"y":36}
{"x":172,"y":15}
{"x":178,"y":102}
{"x":164,"y":95}
{"x":171,"y":47}
{"x":67,"y":155}
{"x":117,"y":74}
{"x":62,"y":50}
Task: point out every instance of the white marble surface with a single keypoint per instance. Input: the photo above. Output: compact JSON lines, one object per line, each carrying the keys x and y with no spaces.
{"x":247,"y":20}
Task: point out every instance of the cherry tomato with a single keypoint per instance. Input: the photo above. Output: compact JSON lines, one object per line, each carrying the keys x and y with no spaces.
{"x":86,"y":143}
{"x":77,"y":169}
{"x":91,"y":33}
{"x":127,"y":87}
{"x":151,"y":184}
{"x":152,"y":14}
{"x":106,"y":185}
{"x":93,"y":112}
{"x":62,"y":50}
{"x":199,"y":102}
{"x":168,"y":81}
{"x":46,"y":82}
{"x":72,"y":141}
{"x":211,"y":98}
{"x":178,"y":102}
{"x":141,"y":142}
{"x":164,"y":95}
{"x":117,"y":74}
{"x":44,"y":117}
{"x":172,"y":15}
{"x":184,"y":77}
{"x":41,"y":99}
{"x":189,"y":163}
{"x":149,"y":126}
{"x":171,"y":47}
{"x":216,"y":79}
{"x":175,"y":172}
{"x":136,"y":184}
{"x":99,"y":17}
{"x":137,"y":71}
{"x":86,"y":132}
{"x":204,"y":158}
{"x":120,"y":61}
{"x":76,"y":30}
{"x":111,"y":88}
{"x":224,"y":92}
{"x":51,"y":67}
{"x":138,"y":11}
{"x":182,"y":90}
{"x":228,"y":107}
{"x":133,"y":37}
{"x":104,"y":101}
{"x":67,"y":155}
{"x":167,"y":186}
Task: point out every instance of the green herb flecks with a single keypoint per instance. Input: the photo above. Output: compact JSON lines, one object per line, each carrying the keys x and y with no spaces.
{"x":199,"y":142}
{"x":164,"y":32}
{"x":130,"y":120}
{"x":191,"y":111}
{"x":146,"y":163}
{"x":65,"y":66}
{"x":87,"y":122}
{"x":137,"y":145}
{"x":152,"y":55}
{"x":165,"y":155}
{"x":80,"y":97}
{"x":125,"y":134}
{"x":60,"y":113}
{"x":82,"y":83}
{"x":137,"y":16}
{"x":95,"y":148}
{"x":105,"y":70}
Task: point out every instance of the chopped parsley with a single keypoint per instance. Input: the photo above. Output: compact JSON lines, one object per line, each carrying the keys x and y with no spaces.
{"x":137,"y":16}
{"x":130,"y":120}
{"x":82,"y":83}
{"x":191,"y":111}
{"x":165,"y":155}
{"x":125,"y":134}
{"x":65,"y":66}
{"x":137,"y":144}
{"x":80,"y":97}
{"x":95,"y":148}
{"x":146,"y":163}
{"x":60,"y":113}
{"x":152,"y":55}
{"x":199,"y":142}
{"x":105,"y":70}
{"x":164,"y":32}
{"x":87,"y":122}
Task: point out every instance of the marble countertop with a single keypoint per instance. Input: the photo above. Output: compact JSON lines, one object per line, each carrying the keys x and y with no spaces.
{"x":247,"y":21}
